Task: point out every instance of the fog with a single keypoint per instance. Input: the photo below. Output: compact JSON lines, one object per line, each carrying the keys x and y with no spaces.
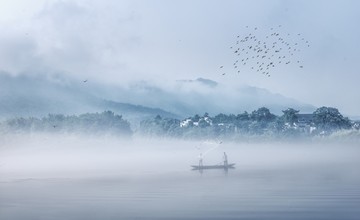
{"x":183,"y":98}
{"x":59,"y":155}
{"x":106,"y":105}
{"x":116,"y":42}
{"x":76,"y":176}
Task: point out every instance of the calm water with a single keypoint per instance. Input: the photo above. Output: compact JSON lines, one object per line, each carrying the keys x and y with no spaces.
{"x":329,"y":189}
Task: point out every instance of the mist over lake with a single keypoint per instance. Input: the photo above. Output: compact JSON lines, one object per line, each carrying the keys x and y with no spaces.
{"x":79,"y":177}
{"x":186,"y":110}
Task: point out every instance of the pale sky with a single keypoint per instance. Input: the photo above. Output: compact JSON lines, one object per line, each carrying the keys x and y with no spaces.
{"x":115,"y":41}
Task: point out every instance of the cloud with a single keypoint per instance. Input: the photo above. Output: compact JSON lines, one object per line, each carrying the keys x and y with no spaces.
{"x":18,"y":52}
{"x":71,"y":38}
{"x":117,"y":42}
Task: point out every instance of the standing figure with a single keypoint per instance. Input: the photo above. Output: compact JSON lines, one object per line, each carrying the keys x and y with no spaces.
{"x":200,"y":160}
{"x":225,"y":160}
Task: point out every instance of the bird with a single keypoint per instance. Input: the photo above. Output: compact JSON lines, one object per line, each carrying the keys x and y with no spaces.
{"x":85,"y":80}
{"x":221,"y":67}
{"x":251,"y":48}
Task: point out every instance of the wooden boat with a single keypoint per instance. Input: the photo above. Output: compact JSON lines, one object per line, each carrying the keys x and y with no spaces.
{"x":206,"y":167}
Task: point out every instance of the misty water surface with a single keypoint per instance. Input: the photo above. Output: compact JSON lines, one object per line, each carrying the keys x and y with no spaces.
{"x":55,"y":177}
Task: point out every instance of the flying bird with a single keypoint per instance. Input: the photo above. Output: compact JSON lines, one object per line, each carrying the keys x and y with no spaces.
{"x":251,"y":48}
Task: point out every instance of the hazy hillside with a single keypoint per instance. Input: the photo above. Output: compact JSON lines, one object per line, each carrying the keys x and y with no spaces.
{"x":23,"y":96}
{"x":189,"y":97}
{"x":38,"y":96}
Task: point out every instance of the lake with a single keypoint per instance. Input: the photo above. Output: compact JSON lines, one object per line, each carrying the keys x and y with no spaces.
{"x":73,"y":178}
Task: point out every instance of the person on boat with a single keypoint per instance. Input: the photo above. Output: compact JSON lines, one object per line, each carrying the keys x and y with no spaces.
{"x":225,"y":160}
{"x":200,"y":160}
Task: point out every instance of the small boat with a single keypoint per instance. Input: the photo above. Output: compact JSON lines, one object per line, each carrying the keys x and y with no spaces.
{"x":206,"y":167}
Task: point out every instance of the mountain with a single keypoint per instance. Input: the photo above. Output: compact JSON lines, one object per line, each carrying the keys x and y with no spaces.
{"x":200,"y":80}
{"x":29,"y":95}
{"x":26,"y":96}
{"x":189,"y":97}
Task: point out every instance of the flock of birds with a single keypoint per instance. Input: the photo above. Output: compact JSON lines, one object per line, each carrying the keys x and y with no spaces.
{"x":262,"y":53}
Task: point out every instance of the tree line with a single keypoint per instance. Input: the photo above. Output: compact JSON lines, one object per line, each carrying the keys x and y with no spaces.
{"x":258,"y":123}
{"x":91,"y":123}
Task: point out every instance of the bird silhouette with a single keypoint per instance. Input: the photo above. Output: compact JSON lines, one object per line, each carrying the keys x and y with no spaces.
{"x":255,"y":47}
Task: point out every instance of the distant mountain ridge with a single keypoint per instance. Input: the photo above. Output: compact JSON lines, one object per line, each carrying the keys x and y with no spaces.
{"x":202,"y":95}
{"x":200,"y":80}
{"x":29,"y":95}
{"x":23,"y":96}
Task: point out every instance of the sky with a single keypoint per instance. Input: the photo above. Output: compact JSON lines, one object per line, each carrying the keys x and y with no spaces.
{"x":115,"y":42}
